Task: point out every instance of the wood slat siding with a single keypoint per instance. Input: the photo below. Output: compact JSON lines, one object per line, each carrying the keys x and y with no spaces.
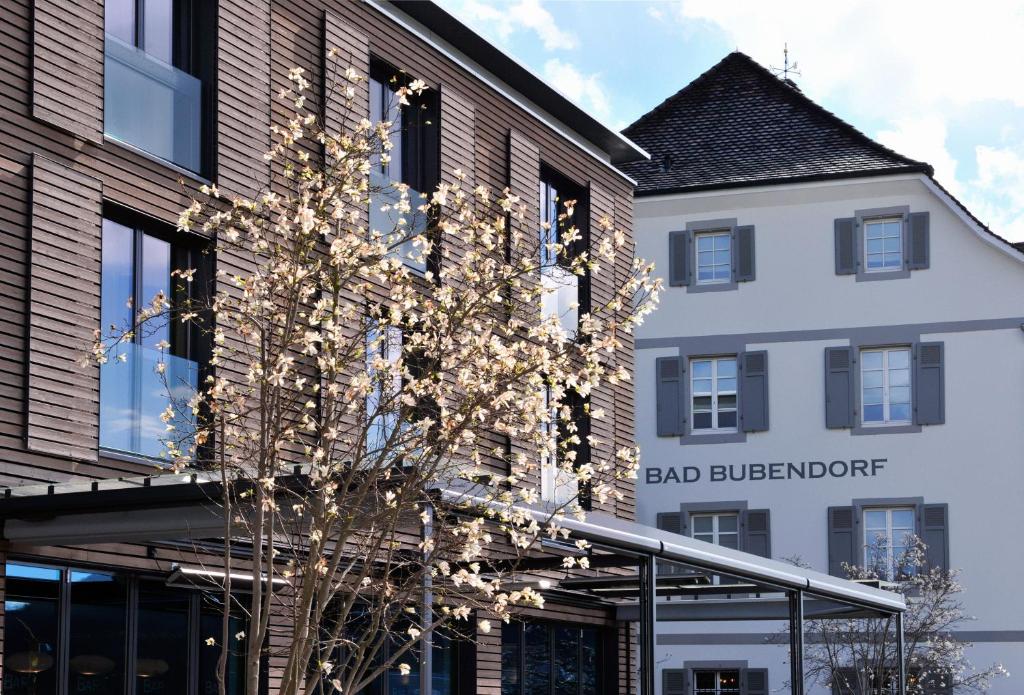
{"x":351,"y":49}
{"x":602,"y":291}
{"x":243,"y":96}
{"x":64,"y":304}
{"x":624,"y":405}
{"x":67,"y":66}
{"x":458,"y":137}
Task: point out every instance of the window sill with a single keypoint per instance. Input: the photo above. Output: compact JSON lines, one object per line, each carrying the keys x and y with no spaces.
{"x":693,"y":438}
{"x":872,"y":275}
{"x":713,"y":287}
{"x":133,"y":458}
{"x":885,"y":429}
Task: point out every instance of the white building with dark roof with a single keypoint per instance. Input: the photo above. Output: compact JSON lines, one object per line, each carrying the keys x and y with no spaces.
{"x":838,"y":357}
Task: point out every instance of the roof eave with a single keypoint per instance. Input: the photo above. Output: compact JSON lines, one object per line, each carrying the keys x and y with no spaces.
{"x":772,"y":181}
{"x":619,"y":148}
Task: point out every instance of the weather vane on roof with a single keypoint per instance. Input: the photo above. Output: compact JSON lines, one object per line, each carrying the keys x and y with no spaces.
{"x":786,"y":70}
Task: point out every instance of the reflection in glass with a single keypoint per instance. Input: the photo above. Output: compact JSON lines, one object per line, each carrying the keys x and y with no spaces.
{"x":210,"y":626}
{"x":566,"y":660}
{"x":97,"y":633}
{"x":537,"y":647}
{"x":31,"y":630}
{"x":161,"y":658}
{"x":511,"y":657}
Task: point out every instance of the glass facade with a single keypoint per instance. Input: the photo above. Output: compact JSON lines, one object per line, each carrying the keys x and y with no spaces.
{"x":152,"y":100}
{"x":157,"y":367}
{"x":122,"y":635}
{"x":540,"y":658}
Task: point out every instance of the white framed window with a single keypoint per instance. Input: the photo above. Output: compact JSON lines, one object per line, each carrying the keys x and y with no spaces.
{"x":557,"y":485}
{"x":883,"y":245}
{"x":713,"y":394}
{"x":718,"y":528}
{"x":716,"y":682}
{"x":714,"y":257}
{"x":885,"y":386}
{"x":887,"y":533}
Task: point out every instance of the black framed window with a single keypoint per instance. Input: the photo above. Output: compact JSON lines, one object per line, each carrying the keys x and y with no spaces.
{"x":158,"y":67}
{"x":414,"y":157}
{"x":74,"y":630}
{"x":161,"y":363}
{"x":570,"y":293}
{"x":548,"y":658}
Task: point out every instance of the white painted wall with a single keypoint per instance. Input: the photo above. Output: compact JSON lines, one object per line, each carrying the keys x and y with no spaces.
{"x":974,"y":462}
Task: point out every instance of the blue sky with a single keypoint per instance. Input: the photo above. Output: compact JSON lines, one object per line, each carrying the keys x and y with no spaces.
{"x":942,"y":83}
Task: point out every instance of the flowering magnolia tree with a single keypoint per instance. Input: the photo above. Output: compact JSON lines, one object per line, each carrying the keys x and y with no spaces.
{"x":347,"y":390}
{"x":858,"y":656}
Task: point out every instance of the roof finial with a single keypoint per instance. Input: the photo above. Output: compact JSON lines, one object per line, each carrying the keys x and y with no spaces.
{"x":786,"y":70}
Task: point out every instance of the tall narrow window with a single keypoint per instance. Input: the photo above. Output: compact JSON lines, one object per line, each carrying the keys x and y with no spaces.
{"x":413,"y":160}
{"x":566,"y":293}
{"x":713,"y":394}
{"x":96,"y":638}
{"x":557,"y":484}
{"x":157,"y":57}
{"x":31,"y":629}
{"x":714,"y":257}
{"x":551,"y":659}
{"x":885,"y":386}
{"x":883,"y":245}
{"x":887,"y":533}
{"x":158,"y":365}
{"x":716,"y":682}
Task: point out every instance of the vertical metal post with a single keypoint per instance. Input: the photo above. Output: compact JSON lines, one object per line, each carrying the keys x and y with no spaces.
{"x":648,"y":607}
{"x":796,"y":642}
{"x":901,"y":668}
{"x":427,"y":613}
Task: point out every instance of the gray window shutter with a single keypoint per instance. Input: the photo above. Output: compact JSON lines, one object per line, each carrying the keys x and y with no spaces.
{"x":842,"y":543}
{"x":678,"y":259}
{"x":754,"y":681}
{"x":671,"y":392}
{"x":839,"y":411}
{"x":675,"y":681}
{"x":846,"y":245}
{"x":918,"y":255}
{"x":757,"y":538}
{"x":935,"y":534}
{"x":929,"y":384}
{"x":670,"y":521}
{"x":754,"y":391}
{"x":743,"y":244}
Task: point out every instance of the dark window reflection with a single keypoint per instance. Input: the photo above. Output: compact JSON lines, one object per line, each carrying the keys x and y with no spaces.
{"x":537,"y":645}
{"x":97,"y":633}
{"x":161,"y":663}
{"x":30,"y":630}
{"x":511,"y":656}
{"x":567,"y":660}
{"x":550,"y":659}
{"x":211,"y":626}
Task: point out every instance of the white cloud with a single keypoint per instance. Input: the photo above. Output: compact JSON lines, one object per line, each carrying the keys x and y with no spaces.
{"x":924,"y":138}
{"x":997,"y":192}
{"x":586,"y":90}
{"x":502,"y":20}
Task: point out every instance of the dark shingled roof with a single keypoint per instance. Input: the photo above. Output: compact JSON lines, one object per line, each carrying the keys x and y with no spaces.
{"x":739,"y":125}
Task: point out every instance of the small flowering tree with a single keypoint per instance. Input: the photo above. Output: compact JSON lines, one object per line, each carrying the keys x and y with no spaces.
{"x":858,"y":656}
{"x":346,"y":390}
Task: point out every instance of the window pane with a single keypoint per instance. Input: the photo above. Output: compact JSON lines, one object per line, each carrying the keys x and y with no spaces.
{"x":875,"y":246}
{"x":158,"y":29}
{"x":902,"y":519}
{"x":702,"y":421}
{"x":705,"y":273}
{"x":892,"y":244}
{"x":722,"y":241}
{"x":874,"y":230}
{"x":872,"y":396}
{"x":899,"y":394}
{"x":899,"y":359}
{"x":899,"y":412}
{"x":728,"y":540}
{"x":705,"y":243}
{"x":701,"y":368}
{"x":727,"y":402}
{"x":156,"y":279}
{"x":874,"y":519}
{"x":727,"y":523}
{"x":704,"y":680}
{"x":161,"y":658}
{"x":873,"y":413}
{"x":210,"y":625}
{"x":722,"y":272}
{"x":729,"y":681}
{"x":511,"y":655}
{"x":727,"y":420}
{"x":726,"y":367}
{"x":31,"y":630}
{"x":97,"y":633}
{"x":722,"y":257}
{"x":726,"y":384}
{"x":872,"y":380}
{"x":703,"y":524}
{"x":567,"y":660}
{"x":871,"y":360}
{"x":537,"y":679}
{"x":590,"y":643}
{"x":119,"y":19}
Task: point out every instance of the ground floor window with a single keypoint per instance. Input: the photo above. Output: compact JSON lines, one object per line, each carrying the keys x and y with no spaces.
{"x":69,"y":631}
{"x":543,"y":658}
{"x":716,"y":682}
